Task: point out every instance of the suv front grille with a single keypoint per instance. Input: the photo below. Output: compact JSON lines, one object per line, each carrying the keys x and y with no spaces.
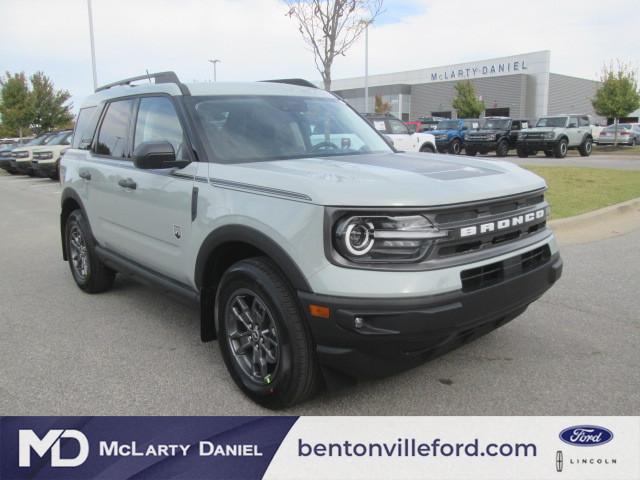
{"x":490,"y":213}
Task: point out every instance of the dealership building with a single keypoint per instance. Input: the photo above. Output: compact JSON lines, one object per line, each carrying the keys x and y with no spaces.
{"x":520,"y":86}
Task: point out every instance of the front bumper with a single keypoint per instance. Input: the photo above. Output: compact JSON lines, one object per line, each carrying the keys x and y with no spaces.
{"x":537,"y":144}
{"x":396,"y":334}
{"x":5,"y":163}
{"x":24,"y":165}
{"x":44,"y":167}
{"x":481,"y":145}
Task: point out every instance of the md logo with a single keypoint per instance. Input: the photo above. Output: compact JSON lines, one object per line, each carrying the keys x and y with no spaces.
{"x":28,"y":440}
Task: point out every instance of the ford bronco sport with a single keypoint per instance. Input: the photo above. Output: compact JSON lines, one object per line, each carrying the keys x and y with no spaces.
{"x":496,"y":134}
{"x":555,"y":135}
{"x":317,"y":253}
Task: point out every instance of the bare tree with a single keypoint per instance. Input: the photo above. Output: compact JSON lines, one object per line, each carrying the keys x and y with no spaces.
{"x":331,"y":27}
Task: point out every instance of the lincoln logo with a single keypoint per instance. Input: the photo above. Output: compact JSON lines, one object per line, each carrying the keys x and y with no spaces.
{"x":502,"y":224}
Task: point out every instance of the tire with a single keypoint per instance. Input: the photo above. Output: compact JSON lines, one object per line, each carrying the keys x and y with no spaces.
{"x":586,"y":147}
{"x":427,"y":148}
{"x":288,"y":373}
{"x":470,"y":151}
{"x":560,"y":148}
{"x":502,"y":149}
{"x":89,"y":273}
{"x":522,"y":152}
{"x":548,"y":153}
{"x":633,"y":142}
{"x":455,"y":146}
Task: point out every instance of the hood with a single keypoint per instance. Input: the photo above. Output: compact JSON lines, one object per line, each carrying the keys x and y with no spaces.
{"x":386,"y":180}
{"x":443,"y":132}
{"x":51,"y":148}
{"x":485,"y":131}
{"x":542,"y":129}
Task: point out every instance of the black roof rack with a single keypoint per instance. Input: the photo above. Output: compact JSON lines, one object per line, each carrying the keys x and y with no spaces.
{"x":301,"y":82}
{"x":159,"y":77}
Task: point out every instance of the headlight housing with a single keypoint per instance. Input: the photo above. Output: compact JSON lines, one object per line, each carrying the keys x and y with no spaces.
{"x":550,"y":135}
{"x":491,"y":136}
{"x":43,"y":155}
{"x":522,"y":136}
{"x":384,"y":238}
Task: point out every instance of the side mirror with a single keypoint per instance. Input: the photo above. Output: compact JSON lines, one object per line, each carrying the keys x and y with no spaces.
{"x":156,"y":155}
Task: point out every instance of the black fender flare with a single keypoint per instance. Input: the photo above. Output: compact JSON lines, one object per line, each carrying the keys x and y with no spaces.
{"x":257,"y":239}
{"x":69,"y":193}
{"x":585,"y":137}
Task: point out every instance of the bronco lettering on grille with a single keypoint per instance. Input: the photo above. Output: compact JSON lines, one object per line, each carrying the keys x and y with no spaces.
{"x":502,"y":224}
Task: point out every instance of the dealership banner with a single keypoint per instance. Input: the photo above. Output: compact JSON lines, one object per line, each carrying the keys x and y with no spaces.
{"x":320,"y":447}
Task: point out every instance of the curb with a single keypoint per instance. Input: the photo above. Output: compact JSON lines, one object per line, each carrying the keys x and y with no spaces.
{"x":598,"y":224}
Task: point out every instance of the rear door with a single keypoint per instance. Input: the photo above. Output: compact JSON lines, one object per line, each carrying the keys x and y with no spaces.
{"x":145,"y":214}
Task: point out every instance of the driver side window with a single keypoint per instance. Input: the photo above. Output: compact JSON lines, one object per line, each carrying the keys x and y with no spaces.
{"x":158,"y":121}
{"x":397,"y":127}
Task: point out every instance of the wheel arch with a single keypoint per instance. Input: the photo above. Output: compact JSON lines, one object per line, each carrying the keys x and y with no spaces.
{"x":69,"y":201}
{"x":227,"y":245}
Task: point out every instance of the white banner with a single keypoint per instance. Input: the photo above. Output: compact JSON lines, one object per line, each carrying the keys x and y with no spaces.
{"x":476,"y":448}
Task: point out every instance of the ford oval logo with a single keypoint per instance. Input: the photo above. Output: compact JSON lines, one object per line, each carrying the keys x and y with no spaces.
{"x":586,"y":436}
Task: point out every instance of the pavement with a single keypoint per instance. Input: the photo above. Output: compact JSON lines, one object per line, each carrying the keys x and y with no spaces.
{"x":136,"y":351}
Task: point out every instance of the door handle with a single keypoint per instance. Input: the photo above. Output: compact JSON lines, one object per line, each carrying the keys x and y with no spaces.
{"x":85,"y":175}
{"x":127,"y":183}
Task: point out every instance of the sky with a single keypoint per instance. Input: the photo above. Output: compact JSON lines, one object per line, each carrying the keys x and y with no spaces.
{"x":255,"y":40}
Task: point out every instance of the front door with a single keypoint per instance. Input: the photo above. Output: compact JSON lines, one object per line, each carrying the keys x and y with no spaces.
{"x":146,"y":214}
{"x":399,"y":133}
{"x":573,"y":131}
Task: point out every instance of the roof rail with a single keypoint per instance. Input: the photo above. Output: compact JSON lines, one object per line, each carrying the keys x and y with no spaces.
{"x":301,"y":82}
{"x":159,"y":77}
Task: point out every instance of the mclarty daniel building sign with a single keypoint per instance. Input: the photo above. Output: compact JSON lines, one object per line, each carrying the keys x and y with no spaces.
{"x":480,"y":70}
{"x":520,"y":84}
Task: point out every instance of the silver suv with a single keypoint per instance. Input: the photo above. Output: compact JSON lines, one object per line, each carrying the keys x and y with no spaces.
{"x":556,"y":135}
{"x":316,"y":252}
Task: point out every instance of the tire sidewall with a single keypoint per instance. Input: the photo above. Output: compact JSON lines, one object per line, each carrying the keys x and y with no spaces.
{"x":502,"y":149}
{"x":455,"y":147}
{"x":250,"y":277}
{"x":76,"y":218}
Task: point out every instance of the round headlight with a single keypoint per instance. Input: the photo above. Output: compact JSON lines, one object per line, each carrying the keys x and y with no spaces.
{"x":356,"y":236}
{"x":550,"y":135}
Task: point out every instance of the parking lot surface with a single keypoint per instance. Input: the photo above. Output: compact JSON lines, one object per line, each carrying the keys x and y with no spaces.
{"x":573,"y":159}
{"x":136,"y":351}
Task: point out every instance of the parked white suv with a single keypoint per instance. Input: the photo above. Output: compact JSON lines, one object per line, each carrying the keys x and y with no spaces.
{"x":402,"y":138}
{"x":316,"y":252}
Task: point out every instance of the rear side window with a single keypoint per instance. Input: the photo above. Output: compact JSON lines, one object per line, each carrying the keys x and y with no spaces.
{"x":113,"y":137}
{"x":158,"y":121}
{"x":85,"y":126}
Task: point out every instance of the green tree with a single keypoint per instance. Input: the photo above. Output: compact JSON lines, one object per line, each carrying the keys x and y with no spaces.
{"x":381,"y":106}
{"x":48,"y":107}
{"x":15,"y":106}
{"x":618,"y":96}
{"x":466,"y":103}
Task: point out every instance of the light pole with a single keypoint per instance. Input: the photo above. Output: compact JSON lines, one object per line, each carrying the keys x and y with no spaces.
{"x":214,"y":62}
{"x":93,"y":47}
{"x":366,"y":68}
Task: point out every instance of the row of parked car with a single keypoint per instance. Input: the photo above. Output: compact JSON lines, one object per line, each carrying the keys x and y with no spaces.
{"x":553,"y":135}
{"x":39,"y":156}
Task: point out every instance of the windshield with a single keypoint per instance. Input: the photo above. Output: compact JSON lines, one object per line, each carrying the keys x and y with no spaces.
{"x":447,"y":125}
{"x":59,"y":139}
{"x":496,"y":123}
{"x":37,"y":141}
{"x":552,"y":122}
{"x":259,"y":128}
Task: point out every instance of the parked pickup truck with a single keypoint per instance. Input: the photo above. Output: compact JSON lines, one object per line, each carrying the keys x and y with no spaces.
{"x":450,"y":134}
{"x":496,"y":134}
{"x":317,"y":253}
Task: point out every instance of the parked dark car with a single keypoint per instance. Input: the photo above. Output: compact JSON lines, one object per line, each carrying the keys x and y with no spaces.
{"x":496,"y":134}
